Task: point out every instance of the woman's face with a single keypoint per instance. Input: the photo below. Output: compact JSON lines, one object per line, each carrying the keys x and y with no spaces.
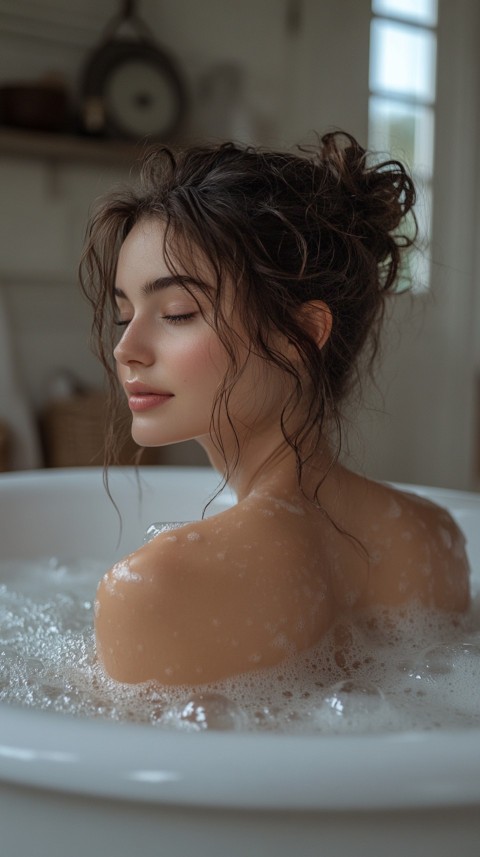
{"x":170,"y":360}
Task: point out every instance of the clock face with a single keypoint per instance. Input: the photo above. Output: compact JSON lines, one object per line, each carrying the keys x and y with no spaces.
{"x":137,"y":88}
{"x":139,"y":99}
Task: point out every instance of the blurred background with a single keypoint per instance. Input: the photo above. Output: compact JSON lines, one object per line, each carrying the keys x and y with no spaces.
{"x":84,"y":84}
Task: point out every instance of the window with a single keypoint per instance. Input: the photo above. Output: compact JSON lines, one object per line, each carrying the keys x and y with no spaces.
{"x":403,"y":45}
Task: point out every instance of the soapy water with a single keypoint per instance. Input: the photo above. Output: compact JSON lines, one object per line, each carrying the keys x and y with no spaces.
{"x":391,"y":671}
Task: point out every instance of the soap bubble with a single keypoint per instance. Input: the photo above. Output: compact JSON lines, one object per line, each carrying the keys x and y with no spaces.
{"x":350,"y":697}
{"x":448,"y":677}
{"x":205,"y":711}
{"x":352,"y":705}
{"x":443,"y":659}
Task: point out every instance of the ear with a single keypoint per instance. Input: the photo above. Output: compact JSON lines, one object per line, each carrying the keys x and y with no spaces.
{"x":317,"y":320}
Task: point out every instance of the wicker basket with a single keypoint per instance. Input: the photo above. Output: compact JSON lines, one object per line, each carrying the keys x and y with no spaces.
{"x":73,"y":432}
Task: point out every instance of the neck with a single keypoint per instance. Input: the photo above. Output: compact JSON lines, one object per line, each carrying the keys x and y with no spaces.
{"x":271,"y":466}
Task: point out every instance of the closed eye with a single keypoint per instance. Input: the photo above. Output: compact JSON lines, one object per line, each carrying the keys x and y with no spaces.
{"x":172,"y":319}
{"x":178,"y":319}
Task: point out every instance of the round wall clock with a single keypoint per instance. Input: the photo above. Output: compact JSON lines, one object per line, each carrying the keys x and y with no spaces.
{"x":131,"y":89}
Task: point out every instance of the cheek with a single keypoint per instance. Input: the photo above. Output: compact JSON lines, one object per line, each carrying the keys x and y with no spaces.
{"x":202,"y":362}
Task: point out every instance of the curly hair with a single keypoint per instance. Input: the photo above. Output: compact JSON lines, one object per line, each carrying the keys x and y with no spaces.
{"x":322,"y":224}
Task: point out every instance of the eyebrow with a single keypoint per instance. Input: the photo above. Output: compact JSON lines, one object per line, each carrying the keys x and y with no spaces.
{"x":160,"y":283}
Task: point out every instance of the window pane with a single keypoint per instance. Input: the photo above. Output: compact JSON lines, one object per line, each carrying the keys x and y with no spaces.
{"x":402,"y":60}
{"x":403,"y":130}
{"x":420,"y":11}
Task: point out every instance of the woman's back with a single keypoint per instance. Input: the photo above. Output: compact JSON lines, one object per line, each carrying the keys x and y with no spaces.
{"x":267,"y":578}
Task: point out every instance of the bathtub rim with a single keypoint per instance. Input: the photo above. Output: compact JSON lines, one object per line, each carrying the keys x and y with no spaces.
{"x":281,"y":772}
{"x":119,"y":474}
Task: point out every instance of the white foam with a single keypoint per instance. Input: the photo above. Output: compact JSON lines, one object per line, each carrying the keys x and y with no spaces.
{"x":122,"y":571}
{"x":394,"y":670}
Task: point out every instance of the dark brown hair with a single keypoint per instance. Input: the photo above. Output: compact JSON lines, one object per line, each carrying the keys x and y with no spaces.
{"x":285,"y":229}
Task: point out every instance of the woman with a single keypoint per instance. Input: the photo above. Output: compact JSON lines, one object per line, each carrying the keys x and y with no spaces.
{"x":247,"y":285}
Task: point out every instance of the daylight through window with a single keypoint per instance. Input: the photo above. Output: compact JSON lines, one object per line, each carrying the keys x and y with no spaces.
{"x":403,"y":46}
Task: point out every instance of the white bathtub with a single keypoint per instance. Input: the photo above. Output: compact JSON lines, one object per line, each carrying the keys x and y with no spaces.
{"x":71,"y":787}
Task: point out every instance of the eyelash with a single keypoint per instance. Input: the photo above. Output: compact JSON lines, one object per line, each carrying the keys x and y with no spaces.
{"x":172,"y":319}
{"x":177,"y":319}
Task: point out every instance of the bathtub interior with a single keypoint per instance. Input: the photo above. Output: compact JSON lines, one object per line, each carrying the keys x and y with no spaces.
{"x":67,"y":514}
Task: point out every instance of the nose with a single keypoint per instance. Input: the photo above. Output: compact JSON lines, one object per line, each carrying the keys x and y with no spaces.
{"x":133,"y":347}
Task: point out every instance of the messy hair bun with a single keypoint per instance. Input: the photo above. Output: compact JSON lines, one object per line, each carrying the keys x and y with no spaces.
{"x":381,"y":196}
{"x":327,"y":224}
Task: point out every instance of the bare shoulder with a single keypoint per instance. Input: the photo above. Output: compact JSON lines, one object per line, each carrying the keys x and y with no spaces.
{"x":210,"y":599}
{"x":417,"y":551}
{"x":417,"y":517}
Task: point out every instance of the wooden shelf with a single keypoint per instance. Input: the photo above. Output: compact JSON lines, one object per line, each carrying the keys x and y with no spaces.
{"x":65,"y":147}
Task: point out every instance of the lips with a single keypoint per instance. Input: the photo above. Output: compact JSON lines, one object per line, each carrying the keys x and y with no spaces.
{"x":143,"y":398}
